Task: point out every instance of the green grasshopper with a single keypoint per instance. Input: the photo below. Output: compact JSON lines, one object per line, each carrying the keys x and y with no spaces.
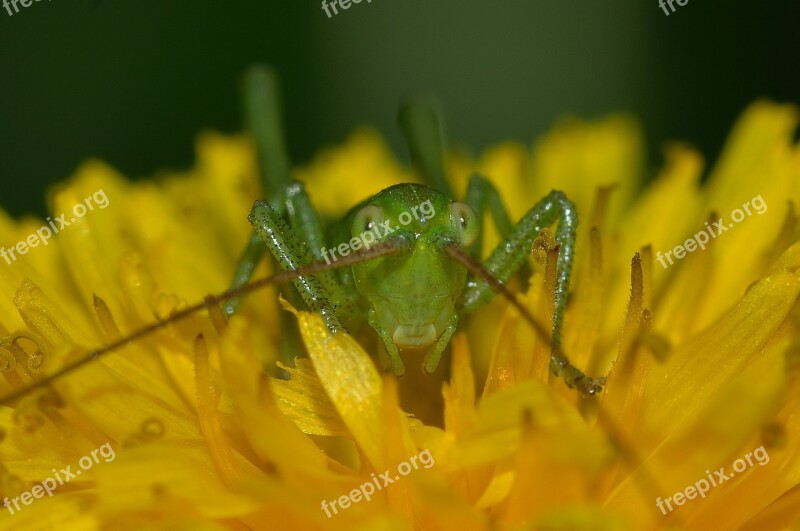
{"x":416,"y":278}
{"x":413,"y":295}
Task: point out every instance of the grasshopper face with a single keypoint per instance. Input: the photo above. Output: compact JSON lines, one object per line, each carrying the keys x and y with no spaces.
{"x":412,"y":296}
{"x":417,"y":293}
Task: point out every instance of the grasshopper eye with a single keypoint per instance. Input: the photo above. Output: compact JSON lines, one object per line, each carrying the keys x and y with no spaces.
{"x":464,"y":221}
{"x":366,"y":219}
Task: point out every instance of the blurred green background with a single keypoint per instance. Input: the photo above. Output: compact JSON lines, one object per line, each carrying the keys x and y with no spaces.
{"x":134,"y":82}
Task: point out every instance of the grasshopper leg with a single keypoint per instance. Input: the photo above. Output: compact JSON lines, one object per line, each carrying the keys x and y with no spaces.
{"x":431,"y":360}
{"x":511,"y":254}
{"x":423,"y":128}
{"x":391,"y":358}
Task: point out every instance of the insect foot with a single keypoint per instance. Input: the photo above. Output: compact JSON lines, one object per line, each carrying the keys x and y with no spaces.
{"x":586,"y":385}
{"x":574,"y":377}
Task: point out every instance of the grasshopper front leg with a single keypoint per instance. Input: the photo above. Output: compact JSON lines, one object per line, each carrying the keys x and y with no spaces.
{"x":291,"y":253}
{"x":511,"y":254}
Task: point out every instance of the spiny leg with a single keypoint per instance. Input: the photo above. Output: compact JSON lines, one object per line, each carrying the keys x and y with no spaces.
{"x":245,"y":268}
{"x":302,"y":218}
{"x":511,"y":253}
{"x":292,"y":253}
{"x":305,"y":222}
{"x":432,"y":359}
{"x":262,"y":112}
{"x":422,"y":126}
{"x":482,"y":195}
{"x":572,"y":376}
{"x":301,"y":242}
{"x":287,"y":200}
{"x":390,"y":356}
{"x":262,"y":116}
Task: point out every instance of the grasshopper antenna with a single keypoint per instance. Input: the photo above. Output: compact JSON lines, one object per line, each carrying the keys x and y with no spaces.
{"x":376,"y":251}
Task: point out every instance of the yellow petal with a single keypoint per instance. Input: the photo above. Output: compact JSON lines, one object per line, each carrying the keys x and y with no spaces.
{"x":351,"y":381}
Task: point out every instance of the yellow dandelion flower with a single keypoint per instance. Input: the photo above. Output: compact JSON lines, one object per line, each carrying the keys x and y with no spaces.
{"x":189,"y":427}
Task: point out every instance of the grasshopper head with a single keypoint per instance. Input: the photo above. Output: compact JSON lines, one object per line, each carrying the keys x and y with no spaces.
{"x":412,"y":295}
